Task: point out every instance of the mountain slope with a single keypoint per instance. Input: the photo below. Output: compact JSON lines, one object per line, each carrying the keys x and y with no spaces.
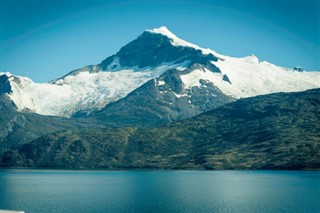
{"x":17,"y":128}
{"x":153,"y":53}
{"x":277,"y":131}
{"x":161,"y":101}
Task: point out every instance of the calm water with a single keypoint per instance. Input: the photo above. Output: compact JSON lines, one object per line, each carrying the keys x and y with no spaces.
{"x":159,"y":191}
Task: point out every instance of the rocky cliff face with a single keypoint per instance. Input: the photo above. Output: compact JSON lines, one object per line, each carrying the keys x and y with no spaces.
{"x":5,"y":87}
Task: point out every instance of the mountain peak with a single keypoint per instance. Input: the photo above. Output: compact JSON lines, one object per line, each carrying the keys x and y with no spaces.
{"x":162,"y":30}
{"x":173,"y":38}
{"x":8,"y":74}
{"x":253,"y":59}
{"x":155,"y":47}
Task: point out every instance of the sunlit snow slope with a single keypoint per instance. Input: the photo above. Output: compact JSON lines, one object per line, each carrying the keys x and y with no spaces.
{"x":84,"y":92}
{"x":153,"y":53}
{"x":247,"y":77}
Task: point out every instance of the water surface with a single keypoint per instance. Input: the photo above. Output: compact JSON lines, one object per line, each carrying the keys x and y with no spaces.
{"x":159,"y":191}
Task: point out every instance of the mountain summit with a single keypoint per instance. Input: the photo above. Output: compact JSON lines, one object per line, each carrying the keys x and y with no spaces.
{"x":153,"y":48}
{"x":180,"y":79}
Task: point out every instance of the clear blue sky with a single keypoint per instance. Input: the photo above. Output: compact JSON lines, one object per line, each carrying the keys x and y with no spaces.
{"x":46,"y":39}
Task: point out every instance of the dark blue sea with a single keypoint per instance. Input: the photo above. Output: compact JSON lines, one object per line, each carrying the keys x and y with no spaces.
{"x":69,"y":191}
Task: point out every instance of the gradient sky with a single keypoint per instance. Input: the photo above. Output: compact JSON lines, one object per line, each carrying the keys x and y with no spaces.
{"x":46,"y":39}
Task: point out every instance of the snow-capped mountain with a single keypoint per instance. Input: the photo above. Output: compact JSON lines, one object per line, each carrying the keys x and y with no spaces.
{"x":198,"y":77}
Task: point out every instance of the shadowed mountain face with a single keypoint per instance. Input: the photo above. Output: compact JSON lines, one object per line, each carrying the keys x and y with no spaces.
{"x":278,"y":131}
{"x":5,"y":86}
{"x":150,"y":50}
